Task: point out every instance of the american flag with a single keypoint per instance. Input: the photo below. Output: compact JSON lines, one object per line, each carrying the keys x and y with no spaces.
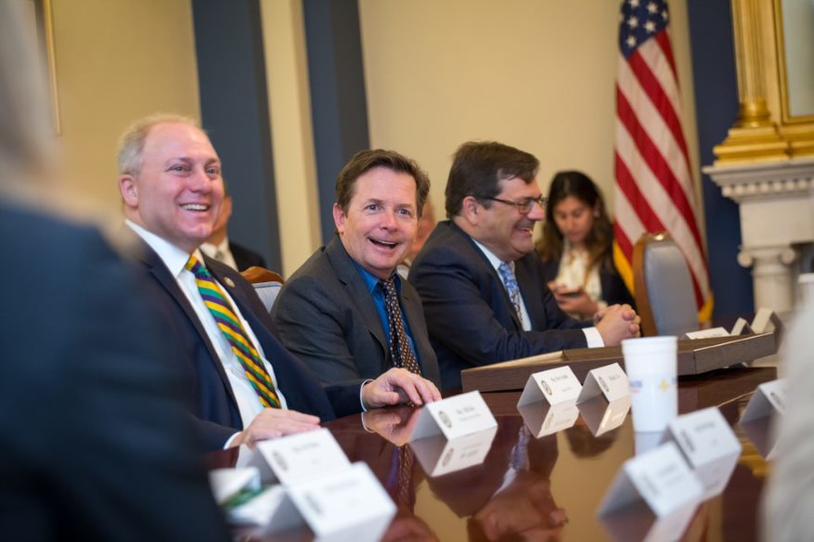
{"x":654,"y":187}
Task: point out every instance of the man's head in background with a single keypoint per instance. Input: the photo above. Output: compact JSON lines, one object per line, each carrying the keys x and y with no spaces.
{"x":426,"y":223}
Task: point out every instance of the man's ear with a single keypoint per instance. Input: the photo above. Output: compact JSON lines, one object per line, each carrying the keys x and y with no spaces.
{"x":129,"y":190}
{"x":471,"y":209}
{"x":339,"y":218}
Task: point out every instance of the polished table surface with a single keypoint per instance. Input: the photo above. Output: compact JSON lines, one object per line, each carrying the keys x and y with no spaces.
{"x":548,"y":488}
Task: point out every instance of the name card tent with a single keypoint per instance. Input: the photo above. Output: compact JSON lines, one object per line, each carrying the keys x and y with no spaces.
{"x":709,"y":445}
{"x":662,"y":481}
{"x":769,"y":401}
{"x":453,"y":434}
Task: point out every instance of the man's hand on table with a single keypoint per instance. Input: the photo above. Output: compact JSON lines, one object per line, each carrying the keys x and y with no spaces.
{"x":274,"y":423}
{"x":616,"y":323}
{"x":398,"y":386}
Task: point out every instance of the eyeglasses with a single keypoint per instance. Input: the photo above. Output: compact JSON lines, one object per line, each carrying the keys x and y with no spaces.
{"x":523,"y":206}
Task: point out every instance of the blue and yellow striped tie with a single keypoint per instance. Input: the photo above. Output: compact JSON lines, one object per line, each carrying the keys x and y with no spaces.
{"x":232,"y":329}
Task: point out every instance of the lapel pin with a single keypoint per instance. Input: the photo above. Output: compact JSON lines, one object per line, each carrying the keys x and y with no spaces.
{"x":229,"y":282}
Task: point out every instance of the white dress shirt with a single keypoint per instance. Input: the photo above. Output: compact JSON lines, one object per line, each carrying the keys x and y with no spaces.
{"x":175,"y":259}
{"x":592,"y":336}
{"x":220,"y":252}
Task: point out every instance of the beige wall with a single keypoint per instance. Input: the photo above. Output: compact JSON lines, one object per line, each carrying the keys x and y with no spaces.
{"x":118,"y":60}
{"x":537,"y":75}
{"x":292,"y":137}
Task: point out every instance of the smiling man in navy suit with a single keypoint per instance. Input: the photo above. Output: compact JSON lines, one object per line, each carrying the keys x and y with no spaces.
{"x":479,"y":278}
{"x":245,"y":386}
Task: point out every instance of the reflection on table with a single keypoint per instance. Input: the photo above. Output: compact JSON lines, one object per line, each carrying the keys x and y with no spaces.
{"x":546,"y":488}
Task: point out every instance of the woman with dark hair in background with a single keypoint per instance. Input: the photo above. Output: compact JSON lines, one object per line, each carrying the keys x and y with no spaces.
{"x":577,"y":247}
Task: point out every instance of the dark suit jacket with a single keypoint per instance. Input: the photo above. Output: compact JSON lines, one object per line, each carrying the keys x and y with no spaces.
{"x":613,"y":287}
{"x":469,"y":315}
{"x":97,"y":443}
{"x":326,"y":316}
{"x":245,"y":257}
{"x":214,"y":404}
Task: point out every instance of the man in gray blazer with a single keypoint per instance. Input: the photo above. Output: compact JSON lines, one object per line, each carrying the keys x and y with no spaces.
{"x":346,"y":313}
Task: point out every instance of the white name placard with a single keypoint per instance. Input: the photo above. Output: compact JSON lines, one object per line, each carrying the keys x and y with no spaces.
{"x":542,"y":420}
{"x":303,"y":456}
{"x":661,"y":478}
{"x":760,"y":432}
{"x":610,"y":381}
{"x":554,"y":386}
{"x":760,"y":323}
{"x":601,"y":417}
{"x":707,"y":333}
{"x":454,"y":417}
{"x":709,"y":445}
{"x":347,"y":505}
{"x":438,"y":455}
{"x":741,"y":327}
{"x":769,"y":398}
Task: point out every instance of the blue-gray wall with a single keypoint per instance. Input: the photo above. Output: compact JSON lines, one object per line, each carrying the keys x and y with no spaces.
{"x":716,"y":103}
{"x":235,"y":112}
{"x":338,"y":100}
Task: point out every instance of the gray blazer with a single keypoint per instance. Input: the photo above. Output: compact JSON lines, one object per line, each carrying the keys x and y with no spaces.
{"x":325,"y":315}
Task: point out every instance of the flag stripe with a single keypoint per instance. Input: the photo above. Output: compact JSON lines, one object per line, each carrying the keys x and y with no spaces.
{"x":646,"y":194}
{"x":655,"y":90}
{"x":642,"y":109}
{"x":657,"y":164}
{"x":643,"y":196}
{"x":663,"y":39}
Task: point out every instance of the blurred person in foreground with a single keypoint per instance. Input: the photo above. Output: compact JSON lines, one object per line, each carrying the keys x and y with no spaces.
{"x":788,"y":506}
{"x":577,"y":248}
{"x":96,"y":443}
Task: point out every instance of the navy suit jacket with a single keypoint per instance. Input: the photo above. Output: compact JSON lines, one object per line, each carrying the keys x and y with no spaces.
{"x":613,"y":287}
{"x":325,"y":314}
{"x":84,"y":367}
{"x":470,"y":317}
{"x":213,"y":403}
{"x":245,"y":257}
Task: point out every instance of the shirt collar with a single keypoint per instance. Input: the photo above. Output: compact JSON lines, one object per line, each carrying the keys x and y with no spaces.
{"x":173,"y":257}
{"x":371,"y":281}
{"x":494,"y":260}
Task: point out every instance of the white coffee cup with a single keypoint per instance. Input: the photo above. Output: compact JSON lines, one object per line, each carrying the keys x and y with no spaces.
{"x":651,"y":364}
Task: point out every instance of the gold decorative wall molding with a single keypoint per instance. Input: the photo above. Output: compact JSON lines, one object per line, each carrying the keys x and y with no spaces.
{"x":765,"y":130}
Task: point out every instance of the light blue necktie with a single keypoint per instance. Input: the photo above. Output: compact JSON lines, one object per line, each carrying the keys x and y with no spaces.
{"x":510,"y":281}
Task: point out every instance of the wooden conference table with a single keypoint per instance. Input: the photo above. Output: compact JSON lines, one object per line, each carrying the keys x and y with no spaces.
{"x":554,"y":489}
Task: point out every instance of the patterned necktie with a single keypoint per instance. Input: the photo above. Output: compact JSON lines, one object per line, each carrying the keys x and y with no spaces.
{"x":403,"y":355}
{"x":510,"y":281}
{"x":232,"y":329}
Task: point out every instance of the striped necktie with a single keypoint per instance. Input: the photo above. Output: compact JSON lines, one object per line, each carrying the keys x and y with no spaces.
{"x":229,"y":324}
{"x":403,"y":355}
